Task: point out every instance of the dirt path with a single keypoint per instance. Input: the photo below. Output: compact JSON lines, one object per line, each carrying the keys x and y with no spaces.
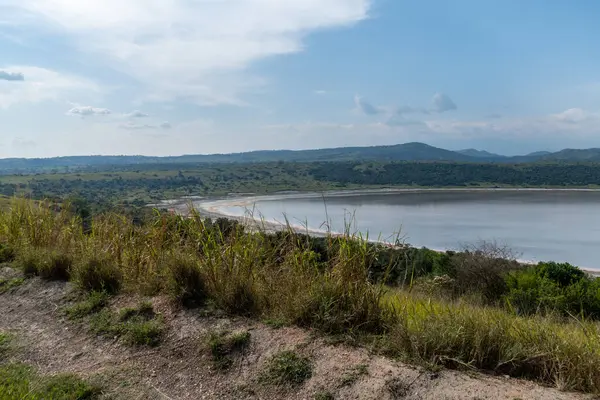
{"x":180,"y":368}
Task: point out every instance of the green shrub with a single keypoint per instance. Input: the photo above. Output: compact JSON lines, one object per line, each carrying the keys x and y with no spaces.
{"x":553,"y":288}
{"x":98,"y":275}
{"x":287,"y":368}
{"x":563,"y":274}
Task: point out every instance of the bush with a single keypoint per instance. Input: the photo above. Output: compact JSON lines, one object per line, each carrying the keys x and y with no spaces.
{"x":185,"y":282}
{"x":46,"y":263}
{"x":98,"y":275}
{"x":563,"y":274}
{"x":57,"y":266}
{"x":481,"y":270}
{"x":552,"y":287}
{"x":335,"y":306}
{"x":7,"y":253}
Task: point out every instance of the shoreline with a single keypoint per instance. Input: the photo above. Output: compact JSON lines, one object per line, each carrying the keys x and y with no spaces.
{"x":211,"y":207}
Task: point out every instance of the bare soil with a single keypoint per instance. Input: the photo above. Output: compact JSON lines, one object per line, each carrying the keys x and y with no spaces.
{"x":181,"y":367}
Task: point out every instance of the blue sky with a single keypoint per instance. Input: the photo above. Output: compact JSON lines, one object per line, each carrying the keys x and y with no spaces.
{"x":203,"y":76}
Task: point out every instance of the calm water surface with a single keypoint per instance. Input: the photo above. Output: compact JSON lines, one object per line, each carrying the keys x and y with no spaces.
{"x":538,"y":225}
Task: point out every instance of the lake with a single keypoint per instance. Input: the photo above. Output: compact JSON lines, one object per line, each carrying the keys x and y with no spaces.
{"x":557,"y":225}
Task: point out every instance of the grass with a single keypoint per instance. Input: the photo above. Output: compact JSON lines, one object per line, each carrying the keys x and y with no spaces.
{"x":137,"y":326}
{"x":18,"y":381}
{"x":93,"y":303}
{"x":8,"y":284}
{"x":323,"y":395}
{"x":223,"y":345}
{"x":287,"y":368}
{"x":281,"y":278}
{"x":5,"y":342}
{"x":354,"y":374}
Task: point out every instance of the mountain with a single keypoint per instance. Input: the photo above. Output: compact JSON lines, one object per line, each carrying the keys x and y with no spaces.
{"x":480,"y":154}
{"x":401,"y":152}
{"x":573,"y":155}
{"x":538,"y":154}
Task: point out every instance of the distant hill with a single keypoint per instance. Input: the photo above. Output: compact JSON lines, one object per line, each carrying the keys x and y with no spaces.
{"x":401,"y":152}
{"x":538,"y":154}
{"x":480,"y":154}
{"x":573,"y":155}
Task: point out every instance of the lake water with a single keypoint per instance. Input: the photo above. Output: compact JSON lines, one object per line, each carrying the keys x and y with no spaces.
{"x":537,"y":224}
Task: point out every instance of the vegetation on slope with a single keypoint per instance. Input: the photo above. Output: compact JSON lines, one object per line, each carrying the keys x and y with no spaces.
{"x":130,"y":188}
{"x":335,"y":286}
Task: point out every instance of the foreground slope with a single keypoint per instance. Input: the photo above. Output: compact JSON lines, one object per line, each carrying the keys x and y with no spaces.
{"x":181,"y":368}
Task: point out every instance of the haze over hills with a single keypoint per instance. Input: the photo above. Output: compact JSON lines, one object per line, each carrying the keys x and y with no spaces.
{"x":402,"y":152}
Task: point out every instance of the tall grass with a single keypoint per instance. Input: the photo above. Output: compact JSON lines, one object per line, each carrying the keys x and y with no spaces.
{"x":281,"y":277}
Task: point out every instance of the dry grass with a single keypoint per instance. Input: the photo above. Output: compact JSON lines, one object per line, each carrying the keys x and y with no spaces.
{"x":250,"y":274}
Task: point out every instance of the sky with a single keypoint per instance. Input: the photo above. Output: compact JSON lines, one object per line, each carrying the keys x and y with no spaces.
{"x":175,"y":77}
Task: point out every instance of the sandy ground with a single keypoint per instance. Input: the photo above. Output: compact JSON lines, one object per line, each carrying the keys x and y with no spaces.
{"x":180,"y":368}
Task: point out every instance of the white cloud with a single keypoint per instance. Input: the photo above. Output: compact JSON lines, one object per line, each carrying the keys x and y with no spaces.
{"x":365,"y":107}
{"x":136,"y":114}
{"x":196,"y":50}
{"x":136,"y":127}
{"x":441,"y":103}
{"x":320,"y":92}
{"x":574,"y":115}
{"x":571,"y":122}
{"x":11,"y":76}
{"x":41,"y":85}
{"x":87,"y":111}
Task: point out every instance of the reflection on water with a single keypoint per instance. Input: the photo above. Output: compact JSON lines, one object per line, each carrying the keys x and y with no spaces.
{"x":539,"y":225}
